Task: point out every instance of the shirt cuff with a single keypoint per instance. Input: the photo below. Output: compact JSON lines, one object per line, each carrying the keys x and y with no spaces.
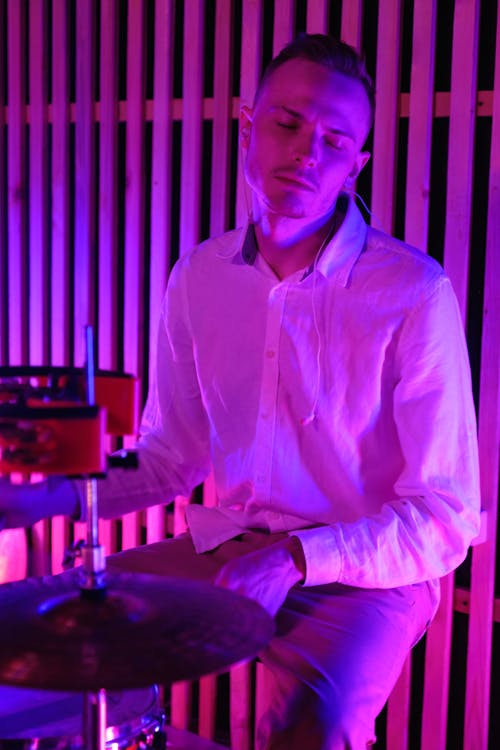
{"x":64,"y":498}
{"x":321,"y":553}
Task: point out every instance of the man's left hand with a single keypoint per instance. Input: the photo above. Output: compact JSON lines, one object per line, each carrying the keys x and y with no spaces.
{"x":266,"y":575}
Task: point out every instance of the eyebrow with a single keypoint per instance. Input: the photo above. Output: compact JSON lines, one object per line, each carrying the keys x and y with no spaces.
{"x":300,"y":116}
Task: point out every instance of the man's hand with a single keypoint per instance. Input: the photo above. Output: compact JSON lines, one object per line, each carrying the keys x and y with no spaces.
{"x":24,"y":504}
{"x":267,"y":574}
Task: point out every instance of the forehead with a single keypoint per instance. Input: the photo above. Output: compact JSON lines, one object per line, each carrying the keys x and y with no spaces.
{"x":314,"y":90}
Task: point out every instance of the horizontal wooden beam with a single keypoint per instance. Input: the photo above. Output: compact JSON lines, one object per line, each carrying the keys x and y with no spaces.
{"x":484,"y":108}
{"x":461,"y":603}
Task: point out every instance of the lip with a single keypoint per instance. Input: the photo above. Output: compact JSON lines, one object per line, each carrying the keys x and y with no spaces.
{"x":294,"y":181}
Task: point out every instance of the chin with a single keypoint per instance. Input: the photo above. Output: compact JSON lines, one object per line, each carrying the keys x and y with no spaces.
{"x":286,"y":207}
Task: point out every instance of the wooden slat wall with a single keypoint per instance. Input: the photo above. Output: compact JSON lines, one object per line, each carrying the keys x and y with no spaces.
{"x":91,"y":220}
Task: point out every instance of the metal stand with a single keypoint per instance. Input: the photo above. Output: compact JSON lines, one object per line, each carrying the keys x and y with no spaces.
{"x":94,"y":720}
{"x":93,"y":572}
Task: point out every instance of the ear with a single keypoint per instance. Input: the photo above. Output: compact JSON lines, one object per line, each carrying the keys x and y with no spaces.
{"x":246,"y":117}
{"x":360,"y":162}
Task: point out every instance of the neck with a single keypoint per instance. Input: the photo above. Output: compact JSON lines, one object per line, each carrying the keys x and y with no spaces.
{"x":287,"y":244}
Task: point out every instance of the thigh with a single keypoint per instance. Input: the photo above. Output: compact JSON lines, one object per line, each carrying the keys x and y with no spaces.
{"x":336,"y":656}
{"x":172,"y":557}
{"x":177,"y":557}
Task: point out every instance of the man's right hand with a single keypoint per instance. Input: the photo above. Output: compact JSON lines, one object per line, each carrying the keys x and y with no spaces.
{"x":24,"y":504}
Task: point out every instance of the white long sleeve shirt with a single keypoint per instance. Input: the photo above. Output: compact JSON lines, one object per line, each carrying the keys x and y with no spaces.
{"x":334,"y":404}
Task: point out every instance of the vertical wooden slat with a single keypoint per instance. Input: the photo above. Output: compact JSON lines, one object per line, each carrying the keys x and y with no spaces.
{"x":251,"y":55}
{"x":437,"y":671}
{"x":263,"y":691}
{"x":398,"y":714}
{"x":459,"y":194}
{"x":351,"y":23}
{"x":420,"y":124}
{"x":84,"y":257}
{"x":477,"y":697}
{"x":181,"y":693}
{"x":461,"y":146}
{"x":180,"y":704}
{"x":60,"y":227}
{"x":85,"y":190}
{"x":161,"y":200}
{"x":208,"y":684}
{"x":134,"y":195}
{"x":13,"y":557}
{"x":3,"y":211}
{"x":317,"y":16}
{"x":383,"y":205}
{"x":17,"y":248}
{"x":284,"y":13}
{"x":240,"y":709}
{"x":38,"y":188}
{"x":207,"y":706}
{"x":38,"y":228}
{"x":189,"y":235}
{"x":60,"y":245}
{"x":108,"y":187}
{"x":386,"y":115}
{"x":108,"y":214}
{"x":134,"y":219}
{"x":351,"y":26}
{"x":16,"y":187}
{"x":191,"y":147}
{"x":221,"y":140}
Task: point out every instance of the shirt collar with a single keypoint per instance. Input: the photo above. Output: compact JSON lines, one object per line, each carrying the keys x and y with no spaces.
{"x":343,"y":250}
{"x":249,"y":245}
{"x":340,"y":253}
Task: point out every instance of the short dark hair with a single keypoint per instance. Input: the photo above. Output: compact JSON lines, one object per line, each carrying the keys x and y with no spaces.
{"x":329,"y":52}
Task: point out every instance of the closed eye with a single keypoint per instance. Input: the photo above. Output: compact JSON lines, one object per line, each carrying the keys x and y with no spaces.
{"x":287,"y":125}
{"x":338,"y":143}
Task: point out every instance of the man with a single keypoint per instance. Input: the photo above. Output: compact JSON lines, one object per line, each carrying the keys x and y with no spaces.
{"x":320,"y":367}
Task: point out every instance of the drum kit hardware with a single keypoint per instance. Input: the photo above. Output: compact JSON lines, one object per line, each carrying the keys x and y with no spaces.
{"x":89,"y":632}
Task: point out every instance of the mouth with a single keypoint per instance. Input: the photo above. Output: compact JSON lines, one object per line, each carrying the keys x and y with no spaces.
{"x":295,"y":181}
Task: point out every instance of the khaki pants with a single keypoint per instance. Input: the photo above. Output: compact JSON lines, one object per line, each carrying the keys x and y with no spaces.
{"x":337,"y":653}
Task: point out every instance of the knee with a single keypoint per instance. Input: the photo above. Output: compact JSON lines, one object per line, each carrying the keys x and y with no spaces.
{"x":315,"y":722}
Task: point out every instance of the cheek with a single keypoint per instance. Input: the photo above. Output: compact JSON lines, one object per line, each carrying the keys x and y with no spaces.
{"x":261,"y":156}
{"x":253,"y":168}
{"x":337,"y":167}
{"x":267,"y":143}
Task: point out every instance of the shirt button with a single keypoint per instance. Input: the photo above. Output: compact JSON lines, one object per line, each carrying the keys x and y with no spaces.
{"x":270,"y":353}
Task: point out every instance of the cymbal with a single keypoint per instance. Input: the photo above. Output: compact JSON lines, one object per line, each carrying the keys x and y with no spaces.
{"x":147,"y":629}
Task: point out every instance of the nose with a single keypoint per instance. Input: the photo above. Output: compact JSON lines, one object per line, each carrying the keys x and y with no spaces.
{"x":306,"y":150}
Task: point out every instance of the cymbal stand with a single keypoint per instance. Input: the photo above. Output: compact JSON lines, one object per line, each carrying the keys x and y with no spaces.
{"x":93,"y":581}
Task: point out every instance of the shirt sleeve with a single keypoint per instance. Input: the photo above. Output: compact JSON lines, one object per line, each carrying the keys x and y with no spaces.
{"x":426,"y":531}
{"x":173,"y":447}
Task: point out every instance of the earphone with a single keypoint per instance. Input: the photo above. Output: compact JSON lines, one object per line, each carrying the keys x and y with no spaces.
{"x":307,"y":420}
